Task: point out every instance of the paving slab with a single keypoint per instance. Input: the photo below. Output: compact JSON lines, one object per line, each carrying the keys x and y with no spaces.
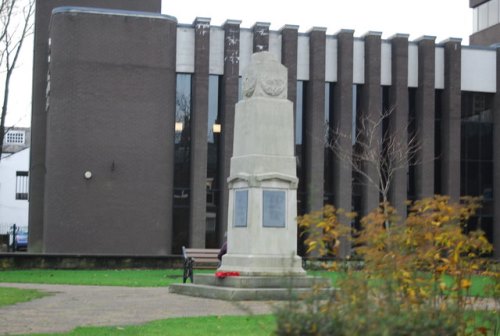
{"x":69,"y":307}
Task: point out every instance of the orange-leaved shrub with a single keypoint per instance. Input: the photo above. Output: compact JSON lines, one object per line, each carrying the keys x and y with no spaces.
{"x":417,"y":275}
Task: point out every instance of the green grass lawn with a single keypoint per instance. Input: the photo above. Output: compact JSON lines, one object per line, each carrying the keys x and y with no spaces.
{"x":482,"y":286}
{"x":128,"y":278}
{"x":231,"y":325}
{"x":162,"y":278}
{"x":9,"y":296}
{"x":190,"y":326}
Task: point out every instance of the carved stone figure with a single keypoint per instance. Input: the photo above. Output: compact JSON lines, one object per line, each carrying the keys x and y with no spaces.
{"x":265,"y":77}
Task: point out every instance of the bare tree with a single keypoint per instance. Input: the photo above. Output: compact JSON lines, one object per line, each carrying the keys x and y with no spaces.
{"x":15,"y":25}
{"x":379,"y":151}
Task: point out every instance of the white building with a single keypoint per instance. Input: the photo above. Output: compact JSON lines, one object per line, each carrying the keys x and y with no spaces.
{"x":14,"y":184}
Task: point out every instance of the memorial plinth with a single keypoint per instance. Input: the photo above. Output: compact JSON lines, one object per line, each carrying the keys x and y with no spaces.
{"x":262,"y":227}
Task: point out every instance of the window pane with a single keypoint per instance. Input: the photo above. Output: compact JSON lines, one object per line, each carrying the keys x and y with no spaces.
{"x":299,"y":106}
{"x":182,"y":161}
{"x":213,"y":108}
{"x":15,"y":137}
{"x":182,"y":108}
{"x":328,"y":168}
{"x":486,"y":144}
{"x":22,"y":185}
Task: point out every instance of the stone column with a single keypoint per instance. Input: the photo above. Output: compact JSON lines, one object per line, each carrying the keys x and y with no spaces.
{"x":314,"y":114}
{"x":342,"y":120}
{"x":425,"y":117}
{"x":398,"y":123}
{"x":229,"y":98}
{"x":261,"y":36}
{"x":262,"y":228}
{"x":199,"y":120}
{"x":371,"y":109}
{"x":289,"y":44}
{"x":450,"y":119}
{"x":496,"y":164}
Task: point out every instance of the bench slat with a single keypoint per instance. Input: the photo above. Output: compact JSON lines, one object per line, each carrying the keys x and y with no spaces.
{"x":194,"y":255}
{"x":205,"y":260}
{"x":202,"y":256}
{"x":206,"y":266}
{"x":202,"y":251}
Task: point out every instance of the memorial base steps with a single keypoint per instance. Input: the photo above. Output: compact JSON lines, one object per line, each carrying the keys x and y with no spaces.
{"x":253,"y":288}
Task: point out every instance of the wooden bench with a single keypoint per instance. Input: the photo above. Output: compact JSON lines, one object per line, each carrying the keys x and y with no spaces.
{"x":201,"y":258}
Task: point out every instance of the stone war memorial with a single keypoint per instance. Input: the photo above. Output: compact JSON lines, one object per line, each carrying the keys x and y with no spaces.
{"x":261,"y":257}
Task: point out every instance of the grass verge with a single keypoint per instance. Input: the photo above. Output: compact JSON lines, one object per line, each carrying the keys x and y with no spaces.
{"x":128,"y":278}
{"x":189,"y":326}
{"x":237,"y":325}
{"x":9,"y":296}
{"x":481,"y":286}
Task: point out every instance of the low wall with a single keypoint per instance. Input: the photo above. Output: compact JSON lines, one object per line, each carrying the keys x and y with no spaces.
{"x":22,"y":260}
{"x":4,"y":243}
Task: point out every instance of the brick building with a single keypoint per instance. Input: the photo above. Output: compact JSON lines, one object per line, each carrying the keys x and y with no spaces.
{"x":133,"y":112}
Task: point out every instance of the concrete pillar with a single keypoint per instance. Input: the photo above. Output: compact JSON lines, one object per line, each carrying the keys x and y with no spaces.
{"x":38,"y":110}
{"x":450,"y":119}
{"x":289,"y":44}
{"x":342,"y":120}
{"x":104,"y":194}
{"x":398,"y":124}
{"x":229,"y":98}
{"x":314,"y":143}
{"x":496,"y":164}
{"x":371,"y":108}
{"x":425,"y":117}
{"x":199,"y":147}
{"x":261,"y":36}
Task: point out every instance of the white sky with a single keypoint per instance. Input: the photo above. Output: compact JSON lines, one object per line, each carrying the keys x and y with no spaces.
{"x":440,"y":18}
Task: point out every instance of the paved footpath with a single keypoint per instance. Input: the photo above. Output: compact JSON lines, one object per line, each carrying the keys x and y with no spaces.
{"x":69,"y":307}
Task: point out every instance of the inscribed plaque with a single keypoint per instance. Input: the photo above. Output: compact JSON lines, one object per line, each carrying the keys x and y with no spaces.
{"x":274,"y":208}
{"x":240,"y":208}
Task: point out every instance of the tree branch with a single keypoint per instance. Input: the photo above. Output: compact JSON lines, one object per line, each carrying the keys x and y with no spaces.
{"x":11,"y":42}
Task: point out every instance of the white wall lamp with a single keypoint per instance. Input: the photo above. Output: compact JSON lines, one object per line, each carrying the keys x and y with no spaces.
{"x":179,"y":126}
